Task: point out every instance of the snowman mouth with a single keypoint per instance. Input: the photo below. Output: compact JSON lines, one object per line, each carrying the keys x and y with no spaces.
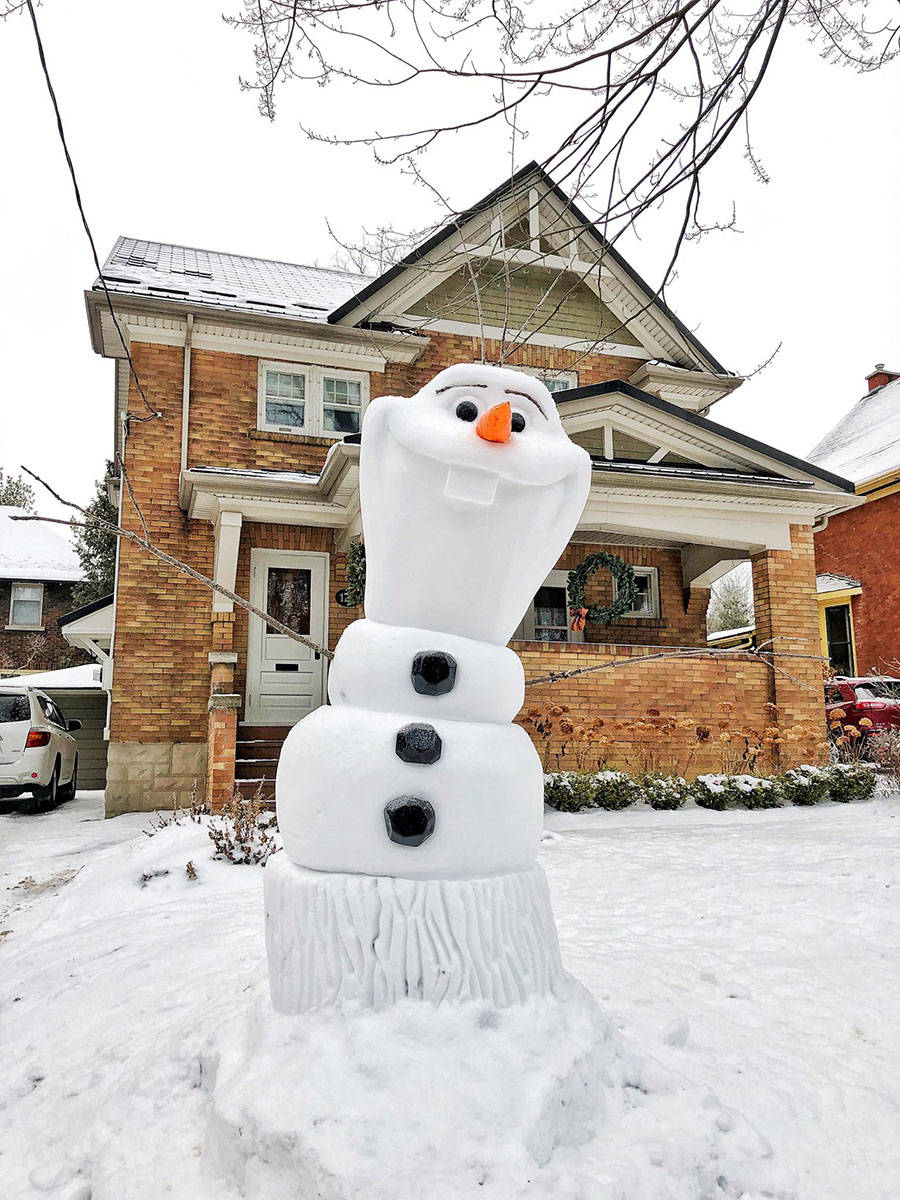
{"x":471,"y":484}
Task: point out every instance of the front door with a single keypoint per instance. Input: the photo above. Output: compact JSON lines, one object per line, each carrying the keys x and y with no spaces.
{"x":285,"y":679}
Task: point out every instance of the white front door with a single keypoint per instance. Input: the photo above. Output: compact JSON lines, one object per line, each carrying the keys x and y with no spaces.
{"x":285,"y":679}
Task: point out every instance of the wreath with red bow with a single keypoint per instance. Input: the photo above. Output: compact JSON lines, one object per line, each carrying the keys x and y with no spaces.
{"x":625,"y":591}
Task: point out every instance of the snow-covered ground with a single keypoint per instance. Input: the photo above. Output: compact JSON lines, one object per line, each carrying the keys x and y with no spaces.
{"x":747,"y":961}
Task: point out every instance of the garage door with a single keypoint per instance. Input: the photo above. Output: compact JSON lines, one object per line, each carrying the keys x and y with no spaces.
{"x":90,"y":709}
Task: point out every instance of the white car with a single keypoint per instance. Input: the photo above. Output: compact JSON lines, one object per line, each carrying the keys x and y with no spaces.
{"x":38,"y":755}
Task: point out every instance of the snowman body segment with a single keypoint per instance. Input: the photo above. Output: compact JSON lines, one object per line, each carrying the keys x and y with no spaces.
{"x":415,"y":777}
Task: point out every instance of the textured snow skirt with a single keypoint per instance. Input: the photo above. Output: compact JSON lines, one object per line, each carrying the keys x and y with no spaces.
{"x":370,"y":941}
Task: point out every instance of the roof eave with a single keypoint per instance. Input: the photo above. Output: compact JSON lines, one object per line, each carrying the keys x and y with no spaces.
{"x":612,"y":386}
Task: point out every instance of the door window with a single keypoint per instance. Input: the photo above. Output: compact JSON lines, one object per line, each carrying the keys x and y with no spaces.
{"x":288,"y":597}
{"x":839,"y":638}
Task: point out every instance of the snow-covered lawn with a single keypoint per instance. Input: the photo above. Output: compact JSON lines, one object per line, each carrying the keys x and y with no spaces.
{"x":748,"y":962}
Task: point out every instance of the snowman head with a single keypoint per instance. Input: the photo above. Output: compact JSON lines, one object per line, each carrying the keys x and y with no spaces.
{"x":469,"y":491}
{"x":486,"y":424}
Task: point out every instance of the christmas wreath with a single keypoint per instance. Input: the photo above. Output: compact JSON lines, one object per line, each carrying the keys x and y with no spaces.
{"x":355,"y":592}
{"x":625,"y":592}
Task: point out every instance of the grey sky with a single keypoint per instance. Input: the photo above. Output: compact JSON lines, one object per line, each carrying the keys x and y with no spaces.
{"x":167,"y":147}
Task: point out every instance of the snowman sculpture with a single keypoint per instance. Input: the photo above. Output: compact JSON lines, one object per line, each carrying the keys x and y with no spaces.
{"x":411,"y":807}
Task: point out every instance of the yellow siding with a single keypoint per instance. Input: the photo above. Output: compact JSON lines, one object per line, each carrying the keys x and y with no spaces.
{"x":540,"y":300}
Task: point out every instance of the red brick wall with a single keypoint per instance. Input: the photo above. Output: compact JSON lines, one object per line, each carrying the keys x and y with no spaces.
{"x":39,"y":650}
{"x":859,"y":543}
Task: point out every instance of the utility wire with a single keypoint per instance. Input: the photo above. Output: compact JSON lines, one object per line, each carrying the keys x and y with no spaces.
{"x":87,"y":229}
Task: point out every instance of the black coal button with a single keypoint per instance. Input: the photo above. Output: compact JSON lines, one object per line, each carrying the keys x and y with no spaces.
{"x":409,"y":821}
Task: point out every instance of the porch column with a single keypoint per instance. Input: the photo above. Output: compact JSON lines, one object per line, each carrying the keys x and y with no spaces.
{"x":223,"y":702}
{"x":787,"y":625}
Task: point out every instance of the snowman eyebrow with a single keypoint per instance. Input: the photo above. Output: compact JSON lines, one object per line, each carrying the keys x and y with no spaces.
{"x":451,"y":386}
{"x":525,"y":396}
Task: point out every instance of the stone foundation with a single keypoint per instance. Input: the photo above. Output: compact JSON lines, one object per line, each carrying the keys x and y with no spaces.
{"x":142,"y":776}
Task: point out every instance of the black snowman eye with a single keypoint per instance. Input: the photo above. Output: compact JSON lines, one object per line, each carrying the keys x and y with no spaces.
{"x":518,"y":422}
{"x":466,"y":410}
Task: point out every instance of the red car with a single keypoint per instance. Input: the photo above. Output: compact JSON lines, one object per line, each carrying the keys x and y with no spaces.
{"x":874,"y":696}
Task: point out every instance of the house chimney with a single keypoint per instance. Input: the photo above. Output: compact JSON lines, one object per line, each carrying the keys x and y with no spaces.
{"x":880,"y":377}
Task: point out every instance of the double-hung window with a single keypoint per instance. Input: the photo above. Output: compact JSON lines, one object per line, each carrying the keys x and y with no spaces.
{"x":646,"y":601}
{"x":548,"y":618}
{"x":553,"y":380}
{"x":26,"y":606}
{"x":317,"y":401}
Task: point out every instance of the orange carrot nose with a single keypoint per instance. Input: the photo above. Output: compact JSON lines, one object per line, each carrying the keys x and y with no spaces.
{"x":496,"y":424}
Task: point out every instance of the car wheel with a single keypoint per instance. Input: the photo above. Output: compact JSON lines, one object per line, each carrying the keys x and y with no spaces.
{"x":49,"y":796}
{"x":67,"y":792}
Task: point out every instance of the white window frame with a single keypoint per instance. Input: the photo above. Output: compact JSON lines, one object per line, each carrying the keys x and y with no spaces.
{"x":652,"y":573}
{"x":12,"y":606}
{"x":570,"y":377}
{"x":314,"y":397}
{"x":526,"y":630}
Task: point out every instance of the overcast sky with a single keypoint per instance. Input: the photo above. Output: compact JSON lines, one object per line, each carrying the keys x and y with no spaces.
{"x":167,"y":147}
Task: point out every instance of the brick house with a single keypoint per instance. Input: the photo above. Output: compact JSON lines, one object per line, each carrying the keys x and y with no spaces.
{"x":859,"y":597}
{"x":38,"y":571}
{"x":260,"y":371}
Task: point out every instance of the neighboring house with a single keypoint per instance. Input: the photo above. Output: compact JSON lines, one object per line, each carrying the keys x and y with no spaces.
{"x":858,"y":579}
{"x":261,"y":371}
{"x":38,"y":570}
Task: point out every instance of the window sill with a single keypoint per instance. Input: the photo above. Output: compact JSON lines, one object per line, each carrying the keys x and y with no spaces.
{"x":25,"y":629}
{"x":292,"y":439}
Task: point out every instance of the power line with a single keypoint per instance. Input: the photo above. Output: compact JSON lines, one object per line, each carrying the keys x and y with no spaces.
{"x":87,"y":229}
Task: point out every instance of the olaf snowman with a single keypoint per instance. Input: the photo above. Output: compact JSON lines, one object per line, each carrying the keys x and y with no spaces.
{"x":411,"y":806}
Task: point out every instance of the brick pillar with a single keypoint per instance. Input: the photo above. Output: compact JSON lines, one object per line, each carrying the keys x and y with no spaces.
{"x":787,"y":626}
{"x":220,"y":748}
{"x":223,"y":709}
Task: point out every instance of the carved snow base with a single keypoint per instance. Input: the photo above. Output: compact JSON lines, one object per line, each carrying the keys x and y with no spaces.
{"x":370,"y":940}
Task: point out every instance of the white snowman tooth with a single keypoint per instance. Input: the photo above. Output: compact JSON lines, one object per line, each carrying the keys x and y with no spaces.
{"x":472,"y":484}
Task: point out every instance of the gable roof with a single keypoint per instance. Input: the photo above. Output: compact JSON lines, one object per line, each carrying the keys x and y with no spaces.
{"x":373,"y":286}
{"x":865,"y":443}
{"x":215,"y":279}
{"x":32,"y":551}
{"x":613,"y":386}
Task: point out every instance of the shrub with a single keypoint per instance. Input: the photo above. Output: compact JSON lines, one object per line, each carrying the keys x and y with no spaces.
{"x":886,"y":752}
{"x":805,"y":785}
{"x":569,"y":791}
{"x":664,"y":791}
{"x":243,"y":832}
{"x":614,"y":790}
{"x":711,"y":791}
{"x":756,"y":792}
{"x":848,"y":782}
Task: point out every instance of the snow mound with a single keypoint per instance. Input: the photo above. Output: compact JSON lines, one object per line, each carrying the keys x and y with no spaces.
{"x":182,"y":1081}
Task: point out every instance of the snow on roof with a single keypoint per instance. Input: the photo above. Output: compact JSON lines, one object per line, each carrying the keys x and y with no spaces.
{"x":865,"y":443}
{"x":86,"y":676}
{"x":260,"y":473}
{"x":30,"y":550}
{"x":827,"y":582}
{"x":231,"y":281}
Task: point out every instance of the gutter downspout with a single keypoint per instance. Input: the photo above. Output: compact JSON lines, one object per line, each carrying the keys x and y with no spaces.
{"x":185,"y":403}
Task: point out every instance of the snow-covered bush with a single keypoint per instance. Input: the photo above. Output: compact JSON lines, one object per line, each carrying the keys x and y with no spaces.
{"x":805,"y":785}
{"x":569,"y":791}
{"x":714,"y":791}
{"x":664,"y":791}
{"x":851,"y":781}
{"x":614,"y":790}
{"x":243,"y":832}
{"x":755,"y":791}
{"x":572,"y":791}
